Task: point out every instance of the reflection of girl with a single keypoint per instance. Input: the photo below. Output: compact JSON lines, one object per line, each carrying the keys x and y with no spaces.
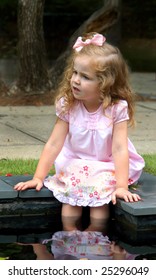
{"x":89,"y":245}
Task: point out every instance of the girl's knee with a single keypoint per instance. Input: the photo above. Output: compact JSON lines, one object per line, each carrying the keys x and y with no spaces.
{"x":101,"y":212}
{"x":71,"y":211}
{"x":71,"y":217}
{"x":99,"y":217}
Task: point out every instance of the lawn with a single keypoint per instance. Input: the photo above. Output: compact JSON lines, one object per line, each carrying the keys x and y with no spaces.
{"x":10,"y":167}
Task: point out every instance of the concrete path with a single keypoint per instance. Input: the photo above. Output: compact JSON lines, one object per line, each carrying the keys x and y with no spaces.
{"x":25,"y":129}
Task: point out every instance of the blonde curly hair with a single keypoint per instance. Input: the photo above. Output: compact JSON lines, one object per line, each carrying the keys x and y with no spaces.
{"x":112,"y":72}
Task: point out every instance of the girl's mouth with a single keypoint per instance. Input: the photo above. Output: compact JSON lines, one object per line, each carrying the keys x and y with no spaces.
{"x":75,"y":89}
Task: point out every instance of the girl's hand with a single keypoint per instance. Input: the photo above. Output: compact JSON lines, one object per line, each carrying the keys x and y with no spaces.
{"x":124,"y":194}
{"x":34,"y":183}
{"x":118,"y":252}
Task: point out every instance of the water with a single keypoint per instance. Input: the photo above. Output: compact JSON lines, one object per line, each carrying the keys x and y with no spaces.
{"x":50,"y":241}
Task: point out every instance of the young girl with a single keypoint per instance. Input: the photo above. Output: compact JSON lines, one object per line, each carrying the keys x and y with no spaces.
{"x":94,"y":159}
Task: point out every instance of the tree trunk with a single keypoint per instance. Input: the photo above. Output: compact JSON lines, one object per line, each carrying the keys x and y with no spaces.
{"x":33,"y":71}
{"x":102,"y":21}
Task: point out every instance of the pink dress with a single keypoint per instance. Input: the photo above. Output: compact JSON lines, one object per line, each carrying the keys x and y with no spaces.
{"x":85,"y":174}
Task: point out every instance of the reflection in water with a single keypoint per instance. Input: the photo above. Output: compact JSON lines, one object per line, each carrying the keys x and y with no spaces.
{"x":92,"y":243}
{"x":95,"y":242}
{"x":79,"y":245}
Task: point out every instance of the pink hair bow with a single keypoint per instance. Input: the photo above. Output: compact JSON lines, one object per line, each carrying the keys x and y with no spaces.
{"x":97,"y":39}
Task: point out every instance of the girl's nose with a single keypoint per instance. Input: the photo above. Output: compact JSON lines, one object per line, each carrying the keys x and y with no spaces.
{"x":77,"y":79}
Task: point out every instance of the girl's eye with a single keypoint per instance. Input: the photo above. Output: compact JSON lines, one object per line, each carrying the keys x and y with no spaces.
{"x":74,"y":72}
{"x":86,"y":77}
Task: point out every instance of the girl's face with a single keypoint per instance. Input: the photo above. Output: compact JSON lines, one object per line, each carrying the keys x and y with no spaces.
{"x":84,"y":82}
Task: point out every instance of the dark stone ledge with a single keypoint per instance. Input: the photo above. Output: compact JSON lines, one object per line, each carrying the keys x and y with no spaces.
{"x":137,"y":215}
{"x":7,"y":191}
{"x":146,"y":188}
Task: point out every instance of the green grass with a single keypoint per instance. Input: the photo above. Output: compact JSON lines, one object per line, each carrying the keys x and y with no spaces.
{"x":19,"y":167}
{"x":28,"y":166}
{"x":150,"y":163}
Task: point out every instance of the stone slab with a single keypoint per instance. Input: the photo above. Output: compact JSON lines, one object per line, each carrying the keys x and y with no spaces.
{"x":13,"y":180}
{"x":48,"y":220}
{"x":129,"y":222}
{"x":134,"y":230}
{"x":32,"y":193}
{"x":6,"y":191}
{"x":147,"y":190}
{"x":140,"y":208}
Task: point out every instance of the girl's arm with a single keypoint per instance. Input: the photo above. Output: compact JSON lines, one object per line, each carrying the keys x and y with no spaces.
{"x":121,"y":161}
{"x":48,"y":156}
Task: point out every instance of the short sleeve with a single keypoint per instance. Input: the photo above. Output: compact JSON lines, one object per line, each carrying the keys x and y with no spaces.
{"x":120,"y":112}
{"x":60,"y":112}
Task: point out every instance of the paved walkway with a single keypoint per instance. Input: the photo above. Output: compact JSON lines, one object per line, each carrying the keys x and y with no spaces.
{"x":24,"y":130}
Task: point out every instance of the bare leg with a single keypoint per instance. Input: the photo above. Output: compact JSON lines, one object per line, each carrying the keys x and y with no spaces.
{"x":41,"y":252}
{"x":98,"y":218}
{"x":71,"y":216}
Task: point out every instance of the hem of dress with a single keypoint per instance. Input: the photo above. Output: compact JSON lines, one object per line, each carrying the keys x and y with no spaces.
{"x":78,"y":202}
